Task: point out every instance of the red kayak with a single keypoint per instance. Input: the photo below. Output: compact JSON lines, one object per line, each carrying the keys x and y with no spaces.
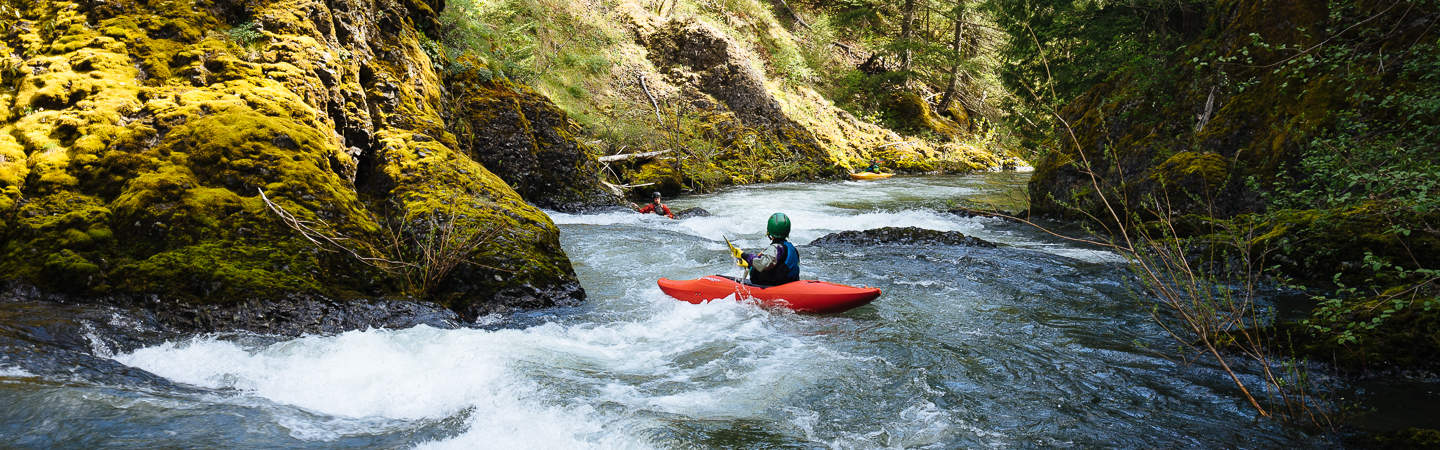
{"x":804,"y":296}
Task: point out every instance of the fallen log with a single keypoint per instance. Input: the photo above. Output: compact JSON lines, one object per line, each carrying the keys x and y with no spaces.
{"x":619,"y":189}
{"x":628,"y":156}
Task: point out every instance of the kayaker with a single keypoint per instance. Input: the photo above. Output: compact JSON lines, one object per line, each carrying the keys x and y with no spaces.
{"x":656,"y":207}
{"x":874,"y":166}
{"x":779,"y":263}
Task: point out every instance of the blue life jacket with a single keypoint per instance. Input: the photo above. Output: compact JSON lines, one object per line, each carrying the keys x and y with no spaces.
{"x":792,"y":262}
{"x":786,"y":271}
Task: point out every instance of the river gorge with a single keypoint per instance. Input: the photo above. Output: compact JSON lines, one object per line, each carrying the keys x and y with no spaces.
{"x":1036,"y":342}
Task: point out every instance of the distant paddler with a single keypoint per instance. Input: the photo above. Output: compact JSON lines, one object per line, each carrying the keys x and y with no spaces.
{"x":871,"y":171}
{"x":655,"y":207}
{"x":874,"y":166}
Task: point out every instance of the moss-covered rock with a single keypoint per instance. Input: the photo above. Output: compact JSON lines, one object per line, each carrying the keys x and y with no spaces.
{"x":137,"y":142}
{"x":1367,"y":315}
{"x":916,"y":115}
{"x":1412,"y":437}
{"x":522,"y":137}
{"x":1196,"y":171}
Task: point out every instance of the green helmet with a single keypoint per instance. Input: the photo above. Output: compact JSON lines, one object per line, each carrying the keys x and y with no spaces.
{"x":779,"y":226}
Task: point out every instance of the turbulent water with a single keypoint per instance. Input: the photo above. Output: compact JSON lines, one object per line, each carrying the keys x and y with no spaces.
{"x":1035,"y":343}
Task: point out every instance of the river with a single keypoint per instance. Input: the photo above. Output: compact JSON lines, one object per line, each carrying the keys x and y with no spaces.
{"x":1036,"y":343}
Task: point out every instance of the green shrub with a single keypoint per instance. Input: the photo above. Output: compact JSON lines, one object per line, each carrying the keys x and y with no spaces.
{"x":246,"y":34}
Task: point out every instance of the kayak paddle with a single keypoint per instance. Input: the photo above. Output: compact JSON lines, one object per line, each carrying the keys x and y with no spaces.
{"x":734,"y":251}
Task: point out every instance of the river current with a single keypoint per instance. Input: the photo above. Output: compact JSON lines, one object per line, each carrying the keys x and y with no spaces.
{"x":1036,"y":343}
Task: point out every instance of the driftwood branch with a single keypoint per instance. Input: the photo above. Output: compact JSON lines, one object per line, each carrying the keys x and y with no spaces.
{"x":423,"y":255}
{"x":316,"y":236}
{"x":628,"y":156}
{"x":619,"y":189}
{"x":795,"y":13}
{"x":1204,"y":116}
{"x":653,"y":103}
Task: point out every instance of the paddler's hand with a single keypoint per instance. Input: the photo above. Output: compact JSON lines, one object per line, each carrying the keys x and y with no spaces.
{"x":739,"y":256}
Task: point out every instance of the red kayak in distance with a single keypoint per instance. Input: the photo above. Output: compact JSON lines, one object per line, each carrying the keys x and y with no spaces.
{"x":808,"y":296}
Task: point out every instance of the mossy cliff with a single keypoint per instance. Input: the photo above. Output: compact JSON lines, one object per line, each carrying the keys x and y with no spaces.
{"x":734,"y":123}
{"x":136,"y":137}
{"x":729,"y":91}
{"x":1304,"y":130}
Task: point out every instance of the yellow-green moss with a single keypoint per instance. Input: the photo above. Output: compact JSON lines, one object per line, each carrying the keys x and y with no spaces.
{"x":432,"y":180}
{"x":140,"y":139}
{"x":1208,"y":168}
{"x":1413,"y":437}
{"x":916,"y":115}
{"x":13,"y":170}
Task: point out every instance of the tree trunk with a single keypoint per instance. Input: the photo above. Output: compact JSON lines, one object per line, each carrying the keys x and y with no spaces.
{"x":951,"y":87}
{"x":907,"y":34}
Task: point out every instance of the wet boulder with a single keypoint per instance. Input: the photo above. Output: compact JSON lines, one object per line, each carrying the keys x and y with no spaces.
{"x":691,"y":212}
{"x":901,"y":236}
{"x":971,"y":213}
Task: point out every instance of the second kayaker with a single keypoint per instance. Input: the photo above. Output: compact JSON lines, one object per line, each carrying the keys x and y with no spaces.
{"x":656,"y":207}
{"x":779,"y":263}
{"x":874,"y":166}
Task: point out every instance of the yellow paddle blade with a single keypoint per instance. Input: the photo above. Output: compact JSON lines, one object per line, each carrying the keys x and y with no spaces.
{"x":735,"y":252}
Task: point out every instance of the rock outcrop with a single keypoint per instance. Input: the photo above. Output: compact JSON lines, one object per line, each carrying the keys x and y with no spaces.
{"x":524,"y":138}
{"x":137,"y":136}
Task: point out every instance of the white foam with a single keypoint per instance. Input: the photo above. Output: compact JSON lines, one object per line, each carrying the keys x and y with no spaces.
{"x":14,"y":372}
{"x":419,"y":373}
{"x":412,"y":374}
{"x":518,"y":387}
{"x":1088,"y":255}
{"x":98,"y":347}
{"x":608,"y":218}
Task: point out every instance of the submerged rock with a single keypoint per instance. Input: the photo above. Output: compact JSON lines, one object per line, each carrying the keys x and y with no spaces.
{"x":901,"y":236}
{"x":1007,"y":216}
{"x":691,"y":212}
{"x":50,"y":335}
{"x":150,"y":317}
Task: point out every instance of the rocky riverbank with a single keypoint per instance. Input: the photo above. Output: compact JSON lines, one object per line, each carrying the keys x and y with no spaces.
{"x":253,"y":164}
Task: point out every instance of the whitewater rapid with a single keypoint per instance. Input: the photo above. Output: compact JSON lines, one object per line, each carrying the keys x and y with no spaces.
{"x":1034,"y":343}
{"x":580,"y":382}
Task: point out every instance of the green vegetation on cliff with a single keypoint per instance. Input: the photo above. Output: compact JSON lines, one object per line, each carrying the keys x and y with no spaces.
{"x":735,"y":90}
{"x":1311,"y":124}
